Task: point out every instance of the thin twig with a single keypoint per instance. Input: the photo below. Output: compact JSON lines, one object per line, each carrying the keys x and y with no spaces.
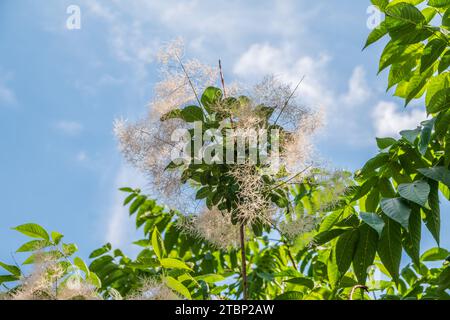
{"x":159,"y":139}
{"x":244,"y":265}
{"x":290,"y":179}
{"x":222,"y":79}
{"x":288,"y":99}
{"x":290,"y":256}
{"x":359,"y":286}
{"x":189,"y":79}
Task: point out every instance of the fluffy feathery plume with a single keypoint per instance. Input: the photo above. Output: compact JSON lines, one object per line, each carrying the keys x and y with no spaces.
{"x":297,"y":150}
{"x":48,"y":280}
{"x":41,"y":283}
{"x":181,"y":80}
{"x":75,"y":288}
{"x":152,"y":289}
{"x":299,"y":121}
{"x":252,"y":204}
{"x":300,"y":225}
{"x":147,"y":143}
{"x":213,"y":226}
{"x":330,"y":186}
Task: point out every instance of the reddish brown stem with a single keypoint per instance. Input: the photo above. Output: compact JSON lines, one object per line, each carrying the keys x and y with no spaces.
{"x":244,"y":265}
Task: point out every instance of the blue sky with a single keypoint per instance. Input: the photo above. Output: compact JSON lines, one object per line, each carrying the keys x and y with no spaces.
{"x":60,"y":91}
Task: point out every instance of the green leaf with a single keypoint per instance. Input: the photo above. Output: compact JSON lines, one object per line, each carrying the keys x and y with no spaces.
{"x":411,"y":239}
{"x":81,"y":265}
{"x":345,"y":249}
{"x":210,"y":97}
{"x":158,"y":244}
{"x":445,"y":59}
{"x":376,"y":162}
{"x":385,"y":187}
{"x":439,"y":173}
{"x":440,"y":101}
{"x":192,"y":114}
{"x":397,"y":210}
{"x":290,"y":295}
{"x":126,"y":189}
{"x":11,"y":269}
{"x":404,"y":13}
{"x":129,"y":198}
{"x":416,"y":192}
{"x":439,"y":3}
{"x":202,"y":193}
{"x":425,"y":135}
{"x":8,"y":278}
{"x":434,"y":254}
{"x":376,"y":34}
{"x":69,"y":249}
{"x":326,"y":236}
{"x":447,"y":151}
{"x":366,"y":249}
{"x":410,"y":135}
{"x":365,"y":188}
{"x":415,"y":85}
{"x":210,"y":278}
{"x":373,"y":220}
{"x":172,"y":114}
{"x":142,"y":243}
{"x":381,"y":4}
{"x":384,"y":143}
{"x":56,"y":237}
{"x":33,"y":230}
{"x":329,"y":221}
{"x":302,"y":281}
{"x":401,"y":71}
{"x":431,"y":53}
{"x":391,"y":54}
{"x":413,"y":2}
{"x":332,"y":269}
{"x":94,"y":280}
{"x":136,"y":204}
{"x":390,"y":247}
{"x":33,"y":245}
{"x":436,"y":84}
{"x":402,"y":21}
{"x":170,"y":263}
{"x":433,"y":216}
{"x":98,"y":252}
{"x":177,"y":286}
{"x":429,"y":13}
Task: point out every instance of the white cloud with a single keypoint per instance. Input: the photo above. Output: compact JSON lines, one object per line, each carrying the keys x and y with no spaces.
{"x":71,"y":128}
{"x":120,"y":228}
{"x":262,"y":59}
{"x":343,"y":110}
{"x":6,"y":95}
{"x":81,"y":156}
{"x":389,"y":120}
{"x":358,"y":90}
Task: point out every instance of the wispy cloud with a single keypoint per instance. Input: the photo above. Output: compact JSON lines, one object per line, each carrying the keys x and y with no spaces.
{"x":290,"y":66}
{"x":358,"y":89}
{"x":344,"y":110}
{"x":7,"y":95}
{"x":81,"y":156}
{"x":389,"y":119}
{"x":120,"y":228}
{"x":71,"y":128}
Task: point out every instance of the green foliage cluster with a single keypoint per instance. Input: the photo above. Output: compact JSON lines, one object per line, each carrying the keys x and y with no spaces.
{"x":367,"y":230}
